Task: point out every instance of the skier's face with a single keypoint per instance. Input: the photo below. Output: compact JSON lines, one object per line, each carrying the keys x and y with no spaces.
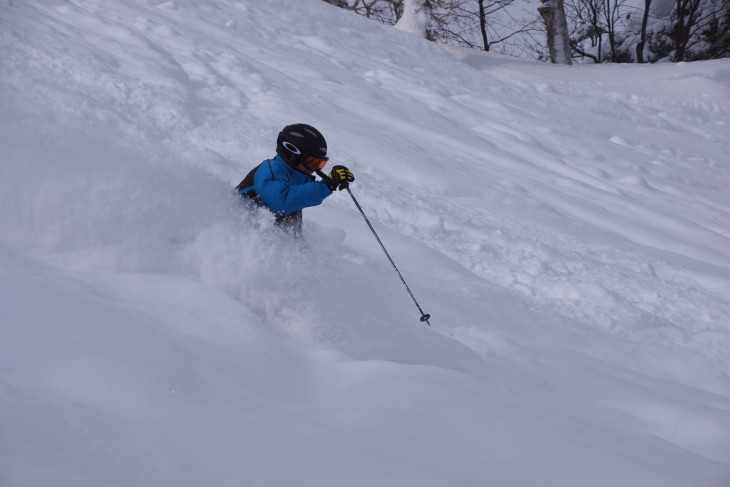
{"x":314,"y":163}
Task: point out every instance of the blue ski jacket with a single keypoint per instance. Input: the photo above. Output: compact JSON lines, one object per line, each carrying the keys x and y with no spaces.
{"x":283,"y":189}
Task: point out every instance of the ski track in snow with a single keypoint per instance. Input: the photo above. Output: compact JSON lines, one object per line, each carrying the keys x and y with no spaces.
{"x":567,"y":228}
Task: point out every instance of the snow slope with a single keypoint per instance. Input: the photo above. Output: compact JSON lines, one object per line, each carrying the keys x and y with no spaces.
{"x":568,"y":229}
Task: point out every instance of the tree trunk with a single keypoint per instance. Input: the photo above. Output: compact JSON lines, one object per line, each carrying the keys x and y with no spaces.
{"x":553,"y":14}
{"x":610,"y":14}
{"x":642,"y":41}
{"x":483,"y":25}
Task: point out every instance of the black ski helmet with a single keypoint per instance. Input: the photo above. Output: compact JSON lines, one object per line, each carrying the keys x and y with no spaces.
{"x":297,"y":141}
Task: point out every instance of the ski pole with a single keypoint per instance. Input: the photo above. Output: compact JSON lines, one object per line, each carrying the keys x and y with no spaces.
{"x":424,"y":316}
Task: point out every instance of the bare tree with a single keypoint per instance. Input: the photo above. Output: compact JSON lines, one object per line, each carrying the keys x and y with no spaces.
{"x":717,"y":32}
{"x":479,"y":24}
{"x":556,"y":26}
{"x":587,"y":27}
{"x":385,"y":11}
{"x":698,"y":22}
{"x":592,"y":22}
{"x":476,"y":24}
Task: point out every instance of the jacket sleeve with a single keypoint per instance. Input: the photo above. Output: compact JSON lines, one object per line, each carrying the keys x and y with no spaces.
{"x":281,"y":195}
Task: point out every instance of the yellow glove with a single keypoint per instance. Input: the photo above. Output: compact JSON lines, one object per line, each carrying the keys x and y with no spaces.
{"x":340,"y":178}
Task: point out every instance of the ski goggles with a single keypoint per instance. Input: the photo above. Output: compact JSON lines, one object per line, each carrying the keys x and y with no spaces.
{"x":316,"y":162}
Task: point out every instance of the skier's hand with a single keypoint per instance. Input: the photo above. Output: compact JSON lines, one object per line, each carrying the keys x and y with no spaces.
{"x":340,"y":178}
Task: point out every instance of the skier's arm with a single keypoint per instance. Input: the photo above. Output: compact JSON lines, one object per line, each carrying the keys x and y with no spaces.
{"x":282,"y":197}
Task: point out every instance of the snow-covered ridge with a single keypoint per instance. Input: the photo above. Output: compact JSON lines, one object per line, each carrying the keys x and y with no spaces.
{"x":567,"y":228}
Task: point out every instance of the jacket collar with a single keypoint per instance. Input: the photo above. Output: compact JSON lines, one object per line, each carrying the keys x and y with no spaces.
{"x":292,"y":168}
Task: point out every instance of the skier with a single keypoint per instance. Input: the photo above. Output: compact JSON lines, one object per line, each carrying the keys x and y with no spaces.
{"x":285,"y":184}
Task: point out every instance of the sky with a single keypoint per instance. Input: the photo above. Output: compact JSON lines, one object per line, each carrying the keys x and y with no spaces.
{"x":566,"y":227}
